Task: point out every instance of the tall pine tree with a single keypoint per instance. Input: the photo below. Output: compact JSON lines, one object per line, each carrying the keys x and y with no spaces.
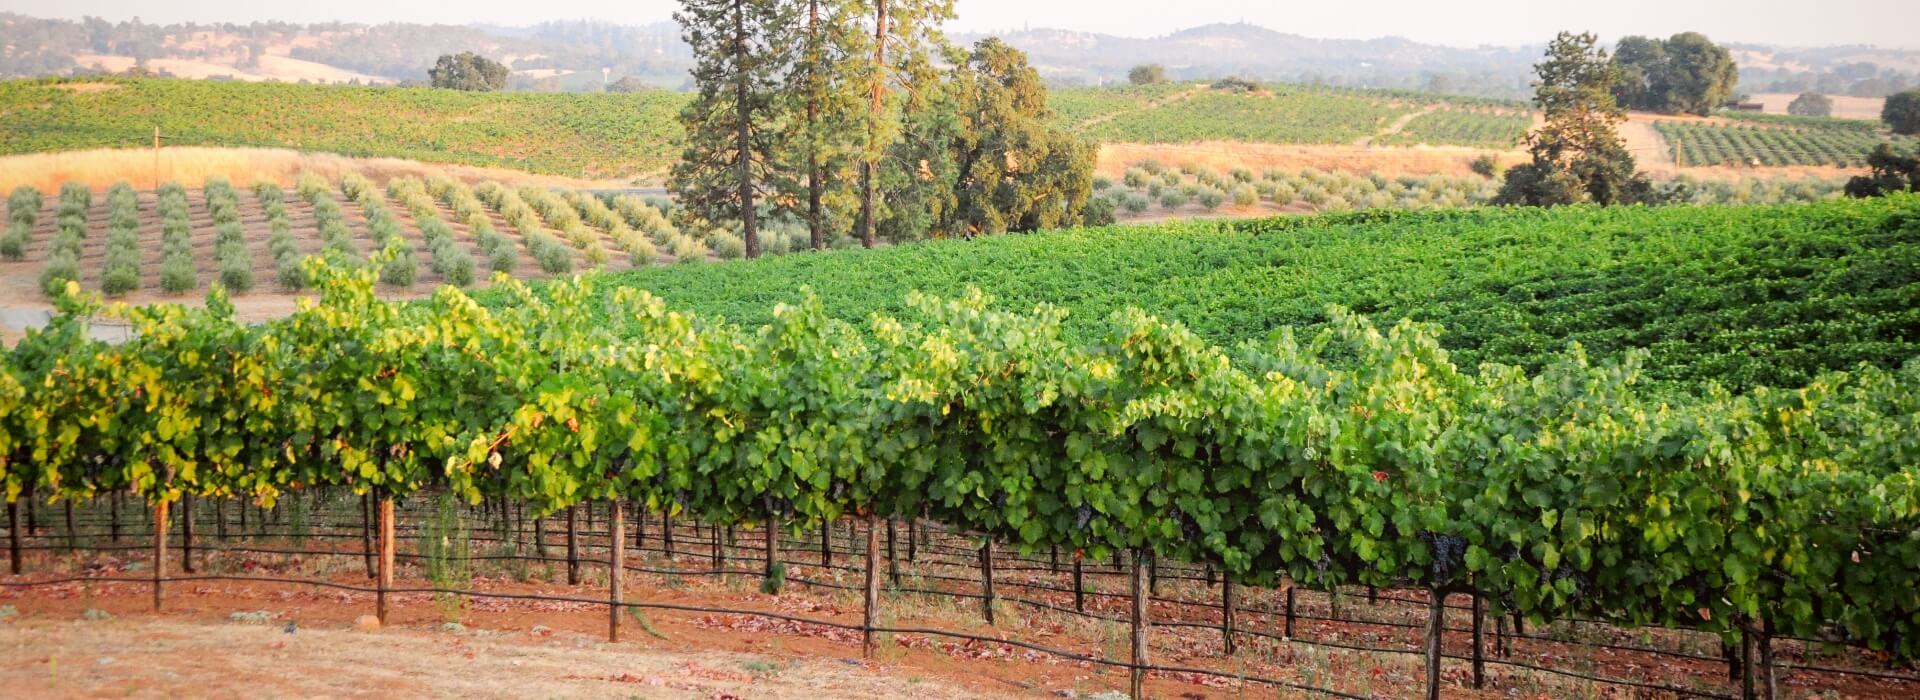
{"x":905,"y":34}
{"x":733,"y":126}
{"x":1577,"y":156}
{"x":824,"y":92}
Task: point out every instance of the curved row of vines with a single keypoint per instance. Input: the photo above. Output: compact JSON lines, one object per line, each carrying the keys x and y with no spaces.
{"x":1360,"y":455}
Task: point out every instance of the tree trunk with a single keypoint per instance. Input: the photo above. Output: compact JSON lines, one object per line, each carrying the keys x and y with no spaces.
{"x":386,"y":558}
{"x":113,"y":518}
{"x":877,"y":106}
{"x":816,"y":190}
{"x":220,"y":519}
{"x":616,"y":566}
{"x":159,"y":552}
{"x":872,"y":592}
{"x":1436,"y":621}
{"x":72,"y":539}
{"x":743,"y":133}
{"x":1139,"y":616}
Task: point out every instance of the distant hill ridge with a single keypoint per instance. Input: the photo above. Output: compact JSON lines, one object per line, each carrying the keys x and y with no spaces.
{"x":585,"y":55}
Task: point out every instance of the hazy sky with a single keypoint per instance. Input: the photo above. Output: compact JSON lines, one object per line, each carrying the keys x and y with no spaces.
{"x":1458,"y":23}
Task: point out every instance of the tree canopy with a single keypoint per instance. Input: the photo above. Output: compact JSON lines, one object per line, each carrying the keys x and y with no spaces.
{"x":1684,"y":74}
{"x":1811,"y":104}
{"x":1892,"y":172}
{"x":733,"y":123}
{"x":1147,"y":74}
{"x":1902,"y":112}
{"x":1577,"y":156}
{"x":468,"y":71}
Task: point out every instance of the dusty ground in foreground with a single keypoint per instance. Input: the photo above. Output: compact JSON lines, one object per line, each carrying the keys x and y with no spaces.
{"x":150,"y":657}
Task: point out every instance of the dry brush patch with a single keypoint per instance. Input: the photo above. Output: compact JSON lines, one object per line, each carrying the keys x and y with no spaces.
{"x":100,"y":168}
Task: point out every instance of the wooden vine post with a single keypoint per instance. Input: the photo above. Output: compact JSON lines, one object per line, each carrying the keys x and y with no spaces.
{"x":159,"y":550}
{"x":1290,"y":590}
{"x":13,"y":536}
{"x":826,"y":543}
{"x":1436,"y":621}
{"x":666,"y":532}
{"x":573,"y":545}
{"x":1746,"y":662}
{"x":1479,"y":642}
{"x":386,"y":558}
{"x":893,"y":563}
{"x":72,"y":539}
{"x":113,"y":518}
{"x":1139,"y":616}
{"x":772,"y":546}
{"x":366,"y":532}
{"x":1769,"y":683}
{"x":1079,"y":585}
{"x":872,"y":592}
{"x":186,"y":533}
{"x":986,"y":577}
{"x":1226,"y":612}
{"x":617,"y":566}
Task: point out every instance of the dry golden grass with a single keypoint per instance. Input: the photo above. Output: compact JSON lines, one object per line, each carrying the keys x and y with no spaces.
{"x":192,"y":165}
{"x":1221,"y":156}
{"x":1844,"y":107}
{"x":270,"y":67}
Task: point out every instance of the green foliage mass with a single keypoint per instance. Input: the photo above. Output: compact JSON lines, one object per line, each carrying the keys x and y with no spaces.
{"x":1902,"y":112}
{"x":468,"y":71}
{"x":1684,"y":74}
{"x":1739,"y":295}
{"x":1354,"y":454}
{"x":1776,"y":142}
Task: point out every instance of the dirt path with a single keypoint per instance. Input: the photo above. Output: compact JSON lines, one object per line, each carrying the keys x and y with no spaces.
{"x":1396,"y":126}
{"x":161,"y":657}
{"x":1647,"y":145}
{"x":1150,"y":105}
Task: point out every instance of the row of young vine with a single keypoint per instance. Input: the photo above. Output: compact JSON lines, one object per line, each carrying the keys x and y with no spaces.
{"x":1359,"y":456}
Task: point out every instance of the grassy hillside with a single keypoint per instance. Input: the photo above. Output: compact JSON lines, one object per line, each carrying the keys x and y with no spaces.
{"x":1744,"y":295}
{"x":605,"y":135}
{"x":593,"y":136}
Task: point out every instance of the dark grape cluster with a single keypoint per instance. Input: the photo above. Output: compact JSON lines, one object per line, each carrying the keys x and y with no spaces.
{"x":1449,"y":552}
{"x":1189,"y":528}
{"x":1581,"y":581}
{"x":777,"y":505}
{"x":1082,"y":516}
